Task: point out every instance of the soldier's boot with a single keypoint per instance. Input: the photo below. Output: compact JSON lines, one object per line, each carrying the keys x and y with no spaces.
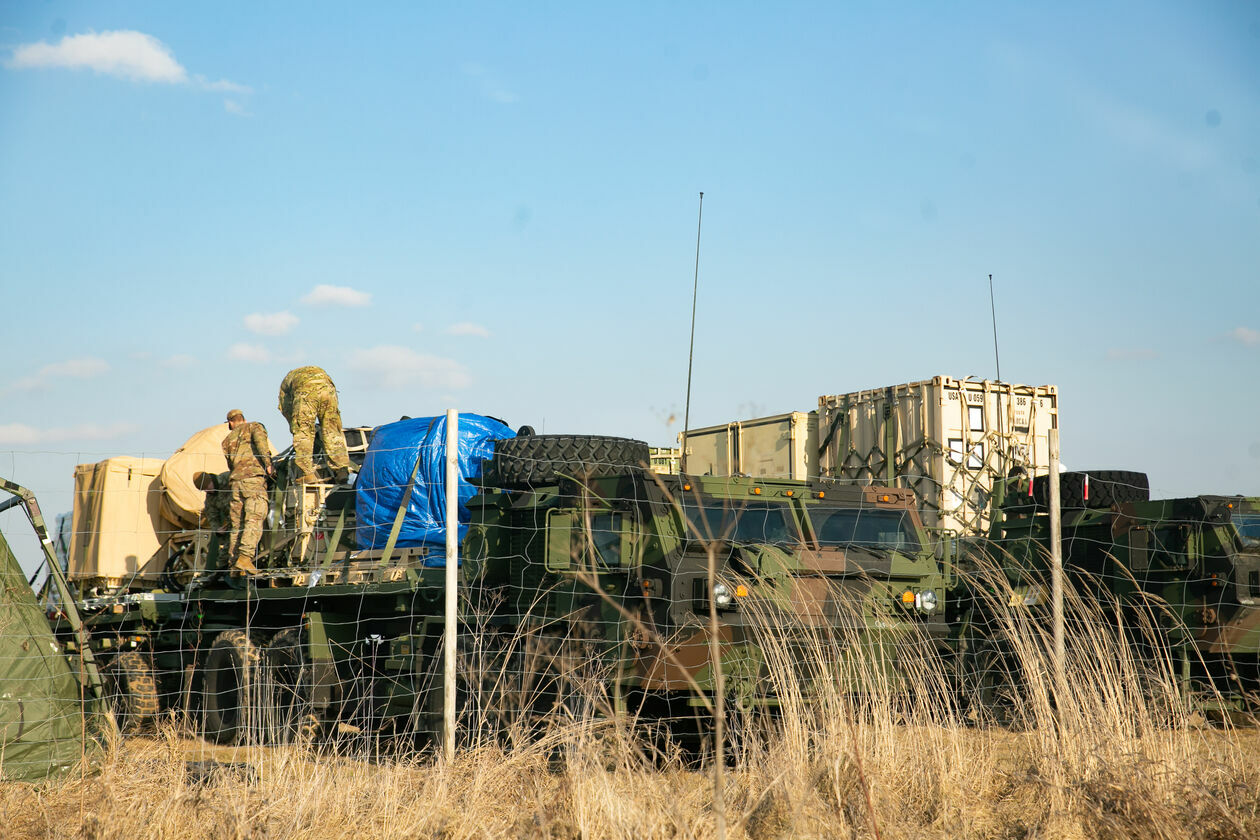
{"x":341,"y":476}
{"x":244,"y":566}
{"x":308,"y":478}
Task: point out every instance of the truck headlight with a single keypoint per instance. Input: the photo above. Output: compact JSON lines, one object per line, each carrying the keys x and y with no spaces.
{"x":925,"y":601}
{"x":722,"y":596}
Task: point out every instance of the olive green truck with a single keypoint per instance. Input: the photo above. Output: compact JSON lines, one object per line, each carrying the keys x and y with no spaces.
{"x":584,"y":579}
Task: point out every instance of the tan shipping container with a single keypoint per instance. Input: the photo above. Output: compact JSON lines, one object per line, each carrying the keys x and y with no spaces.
{"x":949,"y":440}
{"x":118,"y":524}
{"x":780,"y":446}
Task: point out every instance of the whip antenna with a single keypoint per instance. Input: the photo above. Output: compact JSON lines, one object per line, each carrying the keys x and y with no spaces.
{"x":992,"y":311}
{"x":691,"y":347}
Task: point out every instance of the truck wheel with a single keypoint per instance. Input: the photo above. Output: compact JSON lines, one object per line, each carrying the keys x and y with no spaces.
{"x":1106,"y":488}
{"x":290,"y":687}
{"x":232,"y":686}
{"x":133,"y":691}
{"x":542,"y":459}
{"x":990,"y":685}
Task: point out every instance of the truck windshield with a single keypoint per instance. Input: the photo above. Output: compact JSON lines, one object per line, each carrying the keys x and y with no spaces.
{"x":887,"y":529}
{"x":742,"y":522}
{"x":1248,"y":525}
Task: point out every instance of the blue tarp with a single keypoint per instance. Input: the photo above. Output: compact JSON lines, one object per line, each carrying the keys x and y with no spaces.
{"x":388,"y":466}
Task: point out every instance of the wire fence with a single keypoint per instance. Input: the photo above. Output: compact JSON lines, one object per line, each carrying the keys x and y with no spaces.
{"x":601,"y":598}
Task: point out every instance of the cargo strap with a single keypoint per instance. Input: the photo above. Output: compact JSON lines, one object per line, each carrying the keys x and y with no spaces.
{"x":402,"y":512}
{"x":331,"y":548}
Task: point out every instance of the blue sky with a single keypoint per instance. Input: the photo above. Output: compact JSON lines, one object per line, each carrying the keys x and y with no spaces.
{"x":492,"y":207}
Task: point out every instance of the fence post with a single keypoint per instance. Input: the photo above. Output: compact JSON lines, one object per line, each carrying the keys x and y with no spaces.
{"x":1056,"y":560}
{"x":452,"y":577}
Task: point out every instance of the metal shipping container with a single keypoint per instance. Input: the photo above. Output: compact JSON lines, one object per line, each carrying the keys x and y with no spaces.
{"x":949,"y":440}
{"x":781,"y":446}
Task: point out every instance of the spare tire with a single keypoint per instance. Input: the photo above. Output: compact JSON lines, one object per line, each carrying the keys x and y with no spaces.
{"x":544,"y":459}
{"x":1106,"y":488}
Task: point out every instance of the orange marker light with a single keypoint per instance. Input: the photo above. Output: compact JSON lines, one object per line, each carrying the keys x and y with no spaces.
{"x":821,"y":494}
{"x":791,"y":493}
{"x":686,"y":486}
{"x":741,"y":591}
{"x":907,"y":597}
{"x":756,"y":491}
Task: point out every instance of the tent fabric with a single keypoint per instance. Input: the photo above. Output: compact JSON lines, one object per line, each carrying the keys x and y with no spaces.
{"x":43,"y":732}
{"x":118,"y":523}
{"x":388,"y":466}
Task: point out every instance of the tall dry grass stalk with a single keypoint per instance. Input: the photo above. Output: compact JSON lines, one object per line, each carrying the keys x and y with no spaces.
{"x":871,"y":737}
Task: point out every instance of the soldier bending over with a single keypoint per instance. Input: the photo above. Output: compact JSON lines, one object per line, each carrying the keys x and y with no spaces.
{"x":308,"y":396}
{"x":249,"y":457}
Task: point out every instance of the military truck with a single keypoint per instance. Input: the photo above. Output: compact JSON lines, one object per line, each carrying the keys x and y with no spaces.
{"x":584,"y":580}
{"x":1188,"y":566}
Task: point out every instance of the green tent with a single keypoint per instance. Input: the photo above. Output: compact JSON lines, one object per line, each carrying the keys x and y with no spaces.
{"x":49,"y":719}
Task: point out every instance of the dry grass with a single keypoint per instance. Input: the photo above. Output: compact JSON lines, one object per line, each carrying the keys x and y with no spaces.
{"x":924,"y":782}
{"x":1114,"y":753}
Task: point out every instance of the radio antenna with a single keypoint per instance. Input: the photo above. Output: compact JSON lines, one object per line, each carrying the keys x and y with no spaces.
{"x":691,"y":347}
{"x":993,"y":311}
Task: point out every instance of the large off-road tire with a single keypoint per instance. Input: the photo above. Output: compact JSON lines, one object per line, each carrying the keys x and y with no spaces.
{"x":289,"y":669}
{"x":232,"y":686}
{"x":1106,"y":488}
{"x":542,"y":459}
{"x":132,"y":690}
{"x":991,"y":683}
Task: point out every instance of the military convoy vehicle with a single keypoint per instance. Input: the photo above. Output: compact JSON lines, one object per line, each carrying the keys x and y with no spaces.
{"x":584,"y":580}
{"x":1185,"y":572}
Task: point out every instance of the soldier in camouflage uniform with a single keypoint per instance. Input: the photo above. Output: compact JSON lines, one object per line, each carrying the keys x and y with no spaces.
{"x":215,"y":514}
{"x":307,"y":397}
{"x":249,"y":455}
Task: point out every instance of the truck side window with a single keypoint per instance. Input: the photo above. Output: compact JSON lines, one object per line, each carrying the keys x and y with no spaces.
{"x":606,"y":536}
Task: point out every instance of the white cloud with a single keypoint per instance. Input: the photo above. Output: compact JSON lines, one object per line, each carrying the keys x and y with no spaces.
{"x":468,"y":328}
{"x":234,"y":107}
{"x":489,"y":84}
{"x":123,"y":53}
{"x":324,"y":295}
{"x":390,"y":366}
{"x":78,"y":368}
{"x":223,"y":86}
{"x":1245,"y":335}
{"x":275,"y":323}
{"x":84,"y":368}
{"x":242,"y":352}
{"x":417,"y":327}
{"x":179,"y":361}
{"x":22,"y":434}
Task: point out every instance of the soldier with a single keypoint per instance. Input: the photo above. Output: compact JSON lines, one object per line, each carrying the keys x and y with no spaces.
{"x":215,"y":513}
{"x":249,"y":456}
{"x":307,"y":396}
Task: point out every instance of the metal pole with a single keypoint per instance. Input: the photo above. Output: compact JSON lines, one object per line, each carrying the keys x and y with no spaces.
{"x":1056,"y":559}
{"x":691,"y":346}
{"x":452,"y":575}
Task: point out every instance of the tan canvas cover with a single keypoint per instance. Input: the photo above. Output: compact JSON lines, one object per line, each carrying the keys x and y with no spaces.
{"x":203,"y":452}
{"x":118,"y":524}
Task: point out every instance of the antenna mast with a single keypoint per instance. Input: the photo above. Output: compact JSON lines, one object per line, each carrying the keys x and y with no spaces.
{"x":993,"y":311}
{"x":691,"y":347}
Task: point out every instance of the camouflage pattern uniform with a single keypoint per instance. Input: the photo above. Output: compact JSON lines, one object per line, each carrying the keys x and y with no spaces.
{"x":248,"y":453}
{"x":308,"y":396}
{"x":215,"y":514}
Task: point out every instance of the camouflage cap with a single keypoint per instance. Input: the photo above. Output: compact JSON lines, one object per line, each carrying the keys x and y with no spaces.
{"x":236,"y":412}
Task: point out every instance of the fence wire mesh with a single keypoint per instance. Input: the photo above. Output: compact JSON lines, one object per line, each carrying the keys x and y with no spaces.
{"x":584,"y":611}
